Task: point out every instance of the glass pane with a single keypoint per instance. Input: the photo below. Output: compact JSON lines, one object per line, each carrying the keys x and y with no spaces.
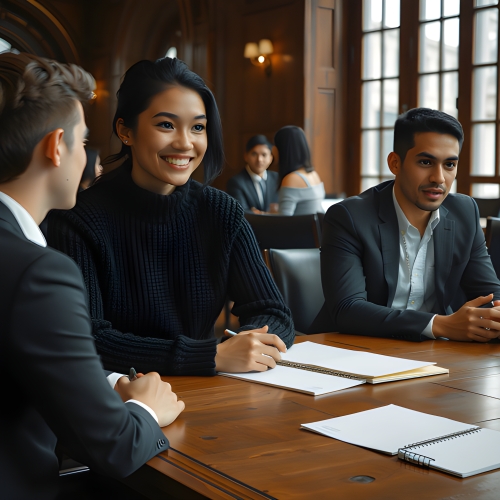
{"x":387,"y":147}
{"x":450,"y":46}
{"x":449,"y":93}
{"x":481,"y":3}
{"x":368,"y":182}
{"x":430,"y":36}
{"x":372,"y":14}
{"x":391,"y":101}
{"x":483,"y":149}
{"x":370,"y":152}
{"x":451,"y":8}
{"x":484,"y":93}
{"x":485,"y":36}
{"x":453,"y":188}
{"x":371,"y":104}
{"x":391,"y":53}
{"x":371,"y":55}
{"x":485,"y":190}
{"x":430,"y":9}
{"x":429,"y":91}
{"x":391,"y":13}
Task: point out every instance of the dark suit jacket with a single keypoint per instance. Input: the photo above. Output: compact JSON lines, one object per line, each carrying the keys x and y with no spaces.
{"x":53,"y":384}
{"x":241,"y":187}
{"x":360,"y":261}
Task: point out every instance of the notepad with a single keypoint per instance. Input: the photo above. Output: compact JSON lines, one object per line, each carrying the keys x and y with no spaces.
{"x":317,"y":369}
{"x":374,"y":368}
{"x":419,"y":438}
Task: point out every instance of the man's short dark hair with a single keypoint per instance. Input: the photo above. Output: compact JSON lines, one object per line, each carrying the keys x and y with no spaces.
{"x":258,"y":140}
{"x":420,"y":120}
{"x":37,"y":96}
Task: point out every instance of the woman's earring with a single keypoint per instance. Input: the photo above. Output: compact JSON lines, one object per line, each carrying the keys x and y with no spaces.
{"x":126,"y":142}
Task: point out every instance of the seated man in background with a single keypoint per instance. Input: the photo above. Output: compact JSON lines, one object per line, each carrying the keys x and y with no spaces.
{"x":394,"y":258}
{"x":255,"y":187}
{"x":54,"y":384}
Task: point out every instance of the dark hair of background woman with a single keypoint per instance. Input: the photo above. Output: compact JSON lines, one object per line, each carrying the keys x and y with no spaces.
{"x":146,"y":79}
{"x":89,"y":170}
{"x":293,"y":150}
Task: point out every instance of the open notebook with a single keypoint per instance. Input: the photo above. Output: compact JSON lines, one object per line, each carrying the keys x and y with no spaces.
{"x":318,"y":369}
{"x":419,"y":438}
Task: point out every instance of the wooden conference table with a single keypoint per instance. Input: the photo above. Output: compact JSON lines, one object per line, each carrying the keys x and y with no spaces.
{"x":237,"y":439}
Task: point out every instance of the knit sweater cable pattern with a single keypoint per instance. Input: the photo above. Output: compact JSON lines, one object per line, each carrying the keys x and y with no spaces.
{"x":158,"y":270}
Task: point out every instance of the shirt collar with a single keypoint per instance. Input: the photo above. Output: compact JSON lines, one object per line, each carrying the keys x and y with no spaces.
{"x":28,"y":226}
{"x":404,"y":223}
{"x":256,"y":177}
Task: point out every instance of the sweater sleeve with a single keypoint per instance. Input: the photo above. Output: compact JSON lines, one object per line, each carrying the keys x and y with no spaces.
{"x":121,"y":350}
{"x":257,"y":300}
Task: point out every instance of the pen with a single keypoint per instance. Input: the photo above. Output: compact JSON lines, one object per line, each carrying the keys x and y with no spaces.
{"x":230,"y":332}
{"x":132,"y":375}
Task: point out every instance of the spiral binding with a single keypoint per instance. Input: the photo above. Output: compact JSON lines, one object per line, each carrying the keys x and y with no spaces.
{"x":405,"y":453}
{"x":317,"y":369}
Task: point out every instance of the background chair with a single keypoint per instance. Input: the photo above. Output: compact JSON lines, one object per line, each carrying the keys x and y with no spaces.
{"x":281,"y":231}
{"x":493,"y":241}
{"x":488,"y":206}
{"x":297,"y":274}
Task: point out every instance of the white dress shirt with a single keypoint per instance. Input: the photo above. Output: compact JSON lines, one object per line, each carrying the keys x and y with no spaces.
{"x":257,"y":179}
{"x":415,"y":288}
{"x":32,"y":232}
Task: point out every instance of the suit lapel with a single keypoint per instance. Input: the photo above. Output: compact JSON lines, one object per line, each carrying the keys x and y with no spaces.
{"x":389,"y":240}
{"x":444,"y":237}
{"x":252,"y":193}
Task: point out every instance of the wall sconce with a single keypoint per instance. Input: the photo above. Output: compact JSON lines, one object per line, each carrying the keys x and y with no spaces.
{"x":259,"y":54}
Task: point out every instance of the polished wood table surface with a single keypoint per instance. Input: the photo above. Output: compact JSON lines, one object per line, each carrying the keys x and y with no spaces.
{"x":237,"y":439}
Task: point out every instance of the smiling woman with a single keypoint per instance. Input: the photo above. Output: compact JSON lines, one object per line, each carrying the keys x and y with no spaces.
{"x":159,"y":251}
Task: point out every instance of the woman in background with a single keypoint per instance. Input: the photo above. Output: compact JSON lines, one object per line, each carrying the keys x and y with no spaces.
{"x":301,"y":190}
{"x":93,"y":168}
{"x":160,"y":252}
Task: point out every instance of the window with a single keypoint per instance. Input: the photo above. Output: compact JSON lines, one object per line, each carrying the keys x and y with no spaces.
{"x":379,"y":88}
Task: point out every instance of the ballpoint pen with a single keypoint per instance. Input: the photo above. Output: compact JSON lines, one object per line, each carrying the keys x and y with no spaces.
{"x":230,"y":332}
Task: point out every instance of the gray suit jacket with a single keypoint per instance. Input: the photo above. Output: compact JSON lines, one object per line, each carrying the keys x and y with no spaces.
{"x":242,"y":189}
{"x":360,"y":261}
{"x":53,"y":384}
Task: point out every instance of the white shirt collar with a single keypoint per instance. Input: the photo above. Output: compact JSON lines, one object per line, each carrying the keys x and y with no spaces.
{"x":256,"y":177}
{"x":403,"y":221}
{"x":28,"y":226}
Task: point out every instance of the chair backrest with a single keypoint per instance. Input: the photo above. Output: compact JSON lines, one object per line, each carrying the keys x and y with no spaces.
{"x":297,"y":274}
{"x":488,"y":207}
{"x":281,"y":231}
{"x":493,"y":241}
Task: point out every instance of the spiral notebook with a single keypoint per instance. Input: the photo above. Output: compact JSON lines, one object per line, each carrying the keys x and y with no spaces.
{"x":419,"y":438}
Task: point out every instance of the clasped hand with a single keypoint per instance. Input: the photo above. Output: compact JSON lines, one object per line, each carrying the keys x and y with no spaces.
{"x":470,"y":322}
{"x":253,"y":350}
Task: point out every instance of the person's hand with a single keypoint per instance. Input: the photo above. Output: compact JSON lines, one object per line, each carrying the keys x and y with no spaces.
{"x":257,"y":211}
{"x":274,"y":208}
{"x":469,"y":322}
{"x":251,"y":350}
{"x":150,"y":390}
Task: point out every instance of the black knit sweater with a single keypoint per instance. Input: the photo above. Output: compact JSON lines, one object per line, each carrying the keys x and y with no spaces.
{"x":158,"y":270}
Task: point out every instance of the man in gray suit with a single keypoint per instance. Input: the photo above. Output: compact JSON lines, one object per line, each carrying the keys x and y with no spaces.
{"x":256,"y":187}
{"x":396,"y":259}
{"x":53,"y":383}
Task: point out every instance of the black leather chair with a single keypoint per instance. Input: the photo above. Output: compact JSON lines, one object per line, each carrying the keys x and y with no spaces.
{"x":297,"y":274}
{"x":493,"y":241}
{"x":281,"y":231}
{"x":488,"y":207}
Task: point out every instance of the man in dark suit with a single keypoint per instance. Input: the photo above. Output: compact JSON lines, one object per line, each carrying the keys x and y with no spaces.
{"x":54,"y":385}
{"x":395,"y":259}
{"x":255,"y":187}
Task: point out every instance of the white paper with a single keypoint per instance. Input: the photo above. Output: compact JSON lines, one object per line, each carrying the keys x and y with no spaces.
{"x":364,"y":364}
{"x":298,"y":380}
{"x":387,"y":428}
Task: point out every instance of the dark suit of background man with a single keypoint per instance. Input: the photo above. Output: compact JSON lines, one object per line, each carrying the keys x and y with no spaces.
{"x":255,"y":187}
{"x":396,"y":258}
{"x":53,"y":382}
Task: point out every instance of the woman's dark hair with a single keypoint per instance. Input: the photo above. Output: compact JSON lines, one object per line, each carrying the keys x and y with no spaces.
{"x":293,"y":150}
{"x":146,"y":79}
{"x":89,"y":170}
{"x":419,"y":120}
